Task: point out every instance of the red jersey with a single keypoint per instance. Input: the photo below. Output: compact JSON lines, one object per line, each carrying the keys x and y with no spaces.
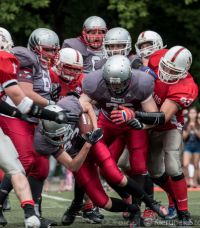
{"x":9,"y":66}
{"x":65,"y":88}
{"x":184,"y":92}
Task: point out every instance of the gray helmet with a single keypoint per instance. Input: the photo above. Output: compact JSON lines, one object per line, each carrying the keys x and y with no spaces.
{"x":45,"y":43}
{"x":117,"y":36}
{"x":98,"y":27}
{"x":117,"y":73}
{"x":56,"y":134}
{"x":6,"y":42}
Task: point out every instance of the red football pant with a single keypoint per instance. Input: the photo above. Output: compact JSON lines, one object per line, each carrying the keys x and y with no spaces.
{"x":21,"y":133}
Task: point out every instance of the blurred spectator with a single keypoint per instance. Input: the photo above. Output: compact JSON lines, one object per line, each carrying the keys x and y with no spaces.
{"x":191,"y":137}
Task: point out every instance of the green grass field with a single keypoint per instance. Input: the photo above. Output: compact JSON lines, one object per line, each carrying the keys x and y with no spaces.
{"x":54,"y":204}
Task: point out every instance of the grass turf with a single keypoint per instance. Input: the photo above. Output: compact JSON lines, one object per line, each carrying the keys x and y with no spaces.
{"x":54,"y":207}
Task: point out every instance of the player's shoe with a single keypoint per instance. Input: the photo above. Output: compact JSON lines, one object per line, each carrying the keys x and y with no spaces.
{"x":3,"y":220}
{"x":70,"y":214}
{"x":126,"y":214}
{"x":159,"y":209}
{"x":46,"y":223}
{"x":148,"y":216}
{"x":91,"y":217}
{"x":172,"y":213}
{"x":184,"y":219}
{"x":98,"y":213}
{"x":32,"y":222}
{"x":136,"y":220}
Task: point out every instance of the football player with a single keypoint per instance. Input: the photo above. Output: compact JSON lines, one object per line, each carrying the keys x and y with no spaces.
{"x":35,"y":82}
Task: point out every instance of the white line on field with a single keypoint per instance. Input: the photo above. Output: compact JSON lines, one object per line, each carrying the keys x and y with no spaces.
{"x":56,"y":198}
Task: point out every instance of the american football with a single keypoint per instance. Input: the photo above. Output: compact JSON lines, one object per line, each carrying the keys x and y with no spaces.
{"x":85,"y":123}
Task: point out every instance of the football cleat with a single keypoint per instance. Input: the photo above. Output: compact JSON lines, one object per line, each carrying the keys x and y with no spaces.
{"x":91,"y":217}
{"x":172,"y":213}
{"x":148,"y":216}
{"x":70,"y":214}
{"x":184,"y":219}
{"x":3,"y":220}
{"x":32,"y":222}
{"x":159,"y":209}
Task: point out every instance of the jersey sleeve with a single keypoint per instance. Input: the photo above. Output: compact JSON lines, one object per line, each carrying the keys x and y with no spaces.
{"x":184,"y":94}
{"x":8,"y":71}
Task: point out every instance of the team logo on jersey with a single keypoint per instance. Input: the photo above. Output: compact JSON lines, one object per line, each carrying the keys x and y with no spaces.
{"x":186,"y":101}
{"x":117,"y":100}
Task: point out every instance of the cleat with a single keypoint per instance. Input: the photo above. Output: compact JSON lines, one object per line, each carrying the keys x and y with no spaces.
{"x":172,"y":213}
{"x":91,"y":217}
{"x":46,"y":223}
{"x":32,"y":222}
{"x":126,"y":214}
{"x":70,"y":214}
{"x":184,"y":219}
{"x":3,"y":220}
{"x":148,"y":217}
{"x":6,"y":205}
{"x":136,"y":220}
{"x":98,"y":213}
{"x":159,"y":209}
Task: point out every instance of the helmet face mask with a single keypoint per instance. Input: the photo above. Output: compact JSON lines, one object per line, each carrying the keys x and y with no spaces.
{"x":174,"y":65}
{"x":117,"y":87}
{"x":94,"y":30}
{"x":117,"y":41}
{"x":148,"y":42}
{"x":6,"y":42}
{"x":56,"y":134}
{"x":69,"y":65}
{"x":45,"y":43}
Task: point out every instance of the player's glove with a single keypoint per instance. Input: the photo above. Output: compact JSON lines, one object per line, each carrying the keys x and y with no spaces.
{"x":122,"y":116}
{"x":55,"y":91}
{"x":148,"y":70}
{"x":135,"y":123}
{"x":93,"y":137}
{"x":66,"y":117}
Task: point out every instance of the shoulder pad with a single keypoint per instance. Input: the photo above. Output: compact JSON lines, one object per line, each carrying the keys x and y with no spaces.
{"x":25,"y":57}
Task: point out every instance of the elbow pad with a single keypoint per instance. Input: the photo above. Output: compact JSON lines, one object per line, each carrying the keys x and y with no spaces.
{"x":151,"y":118}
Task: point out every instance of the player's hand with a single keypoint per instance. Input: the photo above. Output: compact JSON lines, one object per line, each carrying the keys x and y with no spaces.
{"x":66,"y":117}
{"x":93,"y":137}
{"x":55,"y":91}
{"x":136,"y":124}
{"x":122,"y":116}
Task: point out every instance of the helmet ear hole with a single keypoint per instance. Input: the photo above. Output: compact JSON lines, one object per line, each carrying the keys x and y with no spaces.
{"x":6,"y":42}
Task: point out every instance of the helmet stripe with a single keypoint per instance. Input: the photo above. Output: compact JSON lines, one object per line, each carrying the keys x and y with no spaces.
{"x":77,"y":56}
{"x":142,"y":35}
{"x":176,"y":54}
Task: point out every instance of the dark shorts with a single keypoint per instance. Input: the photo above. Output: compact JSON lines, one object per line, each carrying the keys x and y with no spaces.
{"x":192,"y":147}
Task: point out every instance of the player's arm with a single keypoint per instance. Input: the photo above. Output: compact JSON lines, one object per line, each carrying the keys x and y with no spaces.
{"x":75,"y":163}
{"x":29,"y":92}
{"x":87,"y":107}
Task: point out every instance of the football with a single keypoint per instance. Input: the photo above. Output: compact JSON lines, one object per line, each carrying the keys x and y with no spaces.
{"x":85,"y":123}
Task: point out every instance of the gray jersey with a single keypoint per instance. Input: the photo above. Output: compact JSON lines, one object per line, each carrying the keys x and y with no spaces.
{"x":140,"y":88}
{"x":90,"y":57}
{"x":74,"y":145}
{"x":33,"y":72}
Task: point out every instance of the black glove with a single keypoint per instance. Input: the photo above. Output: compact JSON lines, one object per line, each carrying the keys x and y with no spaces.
{"x":67,"y":117}
{"x":136,"y":124}
{"x":93,"y":137}
{"x":55,"y":91}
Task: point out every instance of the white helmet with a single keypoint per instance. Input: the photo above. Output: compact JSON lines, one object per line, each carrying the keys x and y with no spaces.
{"x":151,"y":37}
{"x":6,"y":42}
{"x":69,"y":64}
{"x":56,"y":134}
{"x":174,"y":65}
{"x":117,"y":36}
